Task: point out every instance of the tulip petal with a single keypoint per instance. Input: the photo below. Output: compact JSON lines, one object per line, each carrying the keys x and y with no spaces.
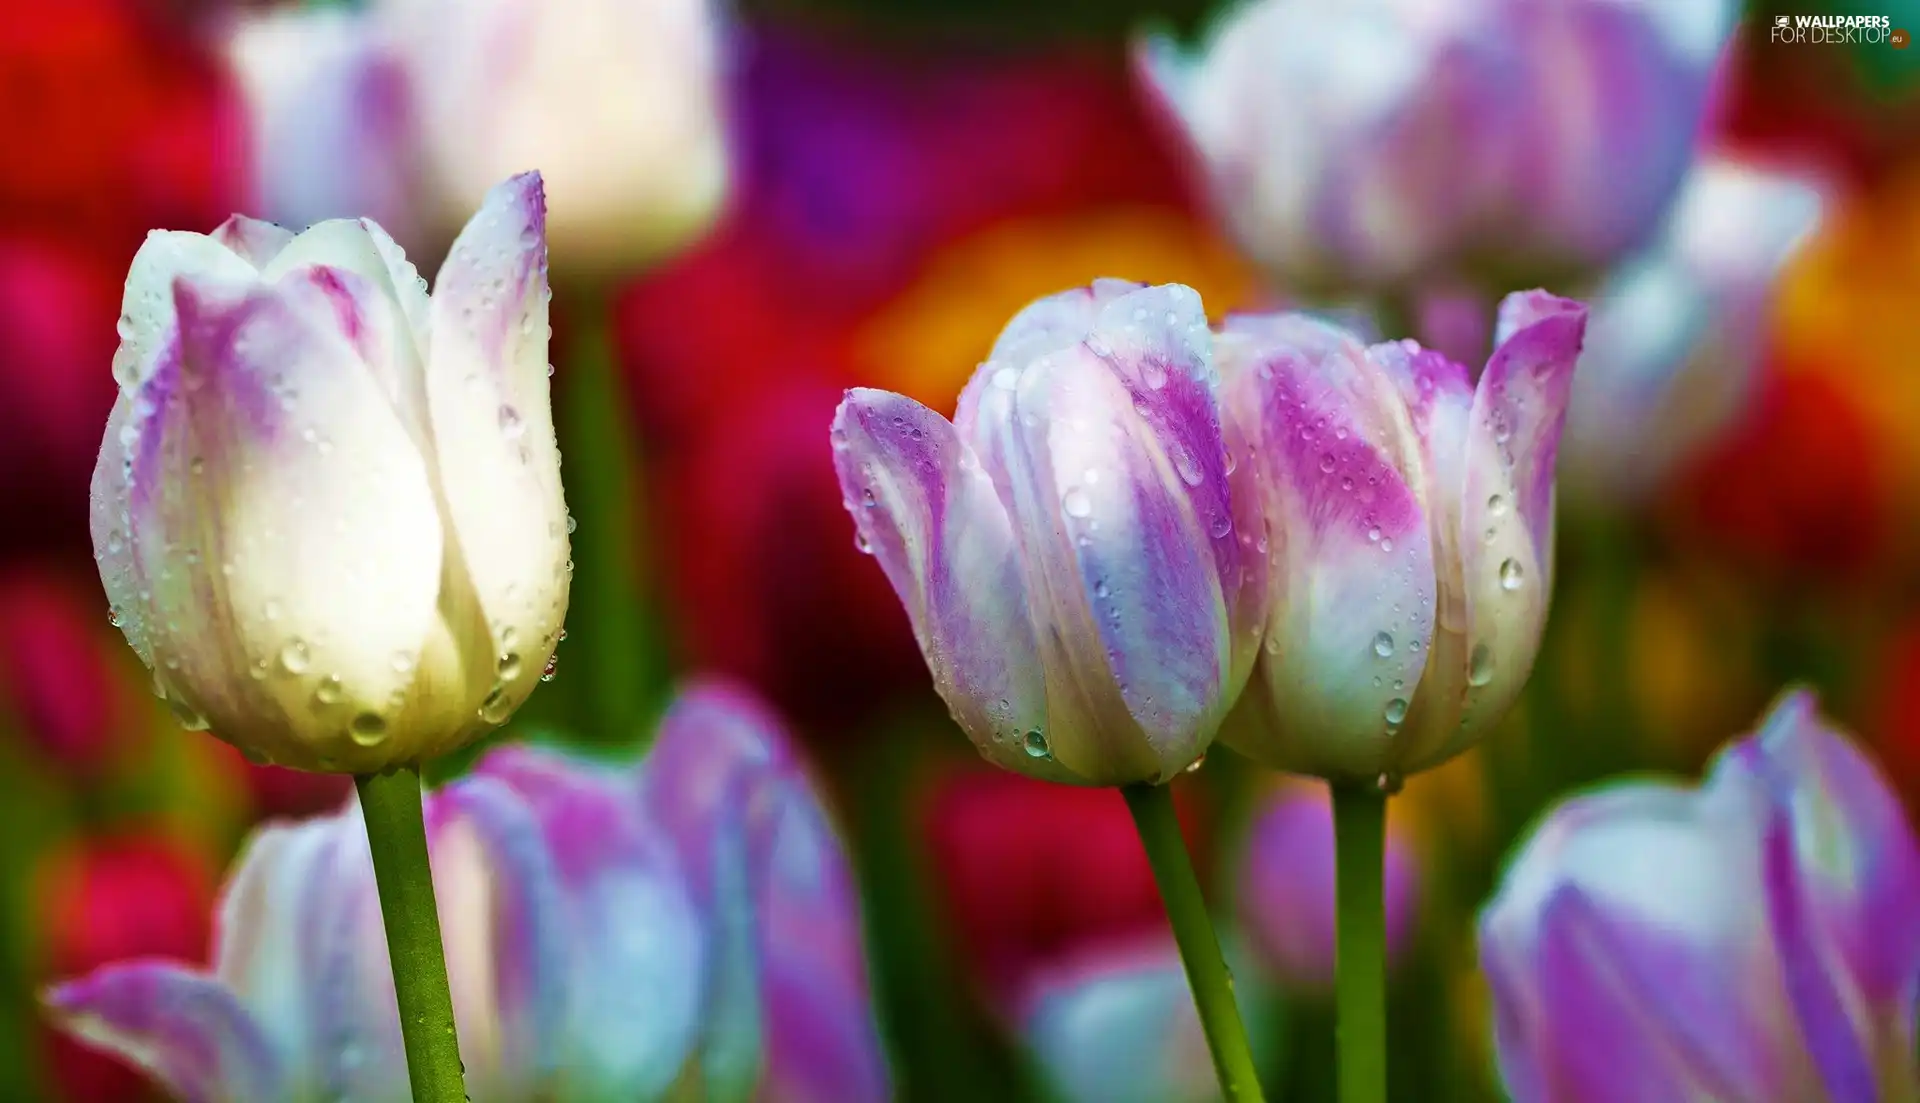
{"x":492,"y":419}
{"x":355,"y":1043}
{"x":1505,"y":523}
{"x":638,"y":957}
{"x":821,"y":1042}
{"x":147,"y":317}
{"x":1352,"y":590}
{"x":252,"y":240}
{"x":1107,"y":481}
{"x":182,"y":1027}
{"x":267,"y":468}
{"x":1117,"y":1025}
{"x":108,"y":499}
{"x":505,"y":936}
{"x":921,"y":501}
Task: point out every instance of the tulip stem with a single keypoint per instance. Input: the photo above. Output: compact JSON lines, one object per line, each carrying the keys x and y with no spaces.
{"x":397,"y":837}
{"x":1360,"y":946}
{"x":1153,"y":817}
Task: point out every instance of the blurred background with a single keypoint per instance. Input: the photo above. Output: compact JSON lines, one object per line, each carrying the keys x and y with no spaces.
{"x":819,"y":194}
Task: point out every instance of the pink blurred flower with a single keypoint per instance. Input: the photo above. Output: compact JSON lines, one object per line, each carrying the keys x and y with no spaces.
{"x":54,"y":673}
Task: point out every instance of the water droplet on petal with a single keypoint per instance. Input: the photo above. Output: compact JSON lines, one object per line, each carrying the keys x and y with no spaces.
{"x":1383,"y":644}
{"x":327,"y":692}
{"x":369,"y":729}
{"x":1496,"y":505}
{"x":496,"y":708}
{"x":1194,"y":766}
{"x":1388,"y":783}
{"x":114,"y":618}
{"x":1036,"y":744}
{"x":294,"y":657}
{"x":1326,"y":463}
{"x":1396,"y":710}
{"x":1076,"y":502}
{"x":509,"y":666}
{"x":572,"y":525}
{"x":1511,"y":575}
{"x":1480,"y":665}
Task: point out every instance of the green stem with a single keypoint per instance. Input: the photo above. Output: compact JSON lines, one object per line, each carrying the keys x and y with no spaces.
{"x":1153,"y":816}
{"x":1360,"y":947}
{"x":607,"y":622}
{"x":397,"y":836}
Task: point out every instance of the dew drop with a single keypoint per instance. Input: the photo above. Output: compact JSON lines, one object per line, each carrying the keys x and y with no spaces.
{"x":496,"y":708}
{"x":294,"y":656}
{"x":572,"y":525}
{"x":1076,"y":502}
{"x":114,"y":618}
{"x":189,"y":717}
{"x":1511,"y":575}
{"x":369,"y":729}
{"x":1100,"y":588}
{"x":1183,"y":463}
{"x":1222,"y":525}
{"x":1373,"y":535}
{"x":1326,"y":462}
{"x":1396,"y":710}
{"x":1480,"y":665}
{"x":1496,"y":505}
{"x":327,"y":692}
{"x":509,"y":666}
{"x":552,"y":670}
{"x":1036,"y":744}
{"x":1388,"y":783}
{"x":1383,"y":644}
{"x":1194,"y":766}
{"x":402,"y":662}
{"x":1386,"y":544}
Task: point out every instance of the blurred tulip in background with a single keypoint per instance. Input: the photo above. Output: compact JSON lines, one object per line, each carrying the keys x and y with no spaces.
{"x":582,"y":950}
{"x":1750,"y":940}
{"x":1284,"y":887}
{"x":1386,"y":145}
{"x":271,"y":383}
{"x":1408,"y":517}
{"x":1678,"y":333}
{"x":1064,"y":547}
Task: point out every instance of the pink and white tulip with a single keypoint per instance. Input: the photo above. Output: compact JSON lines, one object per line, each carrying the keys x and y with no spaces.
{"x":1066,"y":547}
{"x":327,"y":509}
{"x":1751,"y":940}
{"x":1405,"y":517}
{"x":1370,"y":145}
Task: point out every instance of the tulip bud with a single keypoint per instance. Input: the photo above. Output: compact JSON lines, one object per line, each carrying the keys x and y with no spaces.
{"x":1407,"y":520}
{"x":616,"y":103}
{"x":327,"y":509}
{"x":1286,"y":896}
{"x":1064,"y":547}
{"x":1375,"y":143}
{"x":331,"y":133}
{"x":1677,"y":334}
{"x":1751,"y":940}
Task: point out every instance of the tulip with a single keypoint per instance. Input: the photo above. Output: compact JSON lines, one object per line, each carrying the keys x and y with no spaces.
{"x":327,"y":509}
{"x":1115,"y":1023}
{"x":1677,"y":334}
{"x":1374,"y":145}
{"x":327,"y":115}
{"x":616,"y":103}
{"x":789,"y":1007}
{"x":1064,"y":546}
{"x":1751,"y":940}
{"x":1407,"y":518}
{"x":55,"y":678}
{"x":1286,"y":880}
{"x":572,"y":944}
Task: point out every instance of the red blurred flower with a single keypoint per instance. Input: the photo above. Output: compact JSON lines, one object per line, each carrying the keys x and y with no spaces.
{"x":1893,"y":720}
{"x":1798,"y":487}
{"x":55,"y":678}
{"x":276,"y":792}
{"x":865,"y":172}
{"x":106,"y":899}
{"x":112,"y":122}
{"x":1030,"y":871}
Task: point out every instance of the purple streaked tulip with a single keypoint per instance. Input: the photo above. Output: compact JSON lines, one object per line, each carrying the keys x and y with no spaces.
{"x":1286,"y":887}
{"x":1114,"y":1022}
{"x":1749,"y":941}
{"x":327,"y":509}
{"x":1406,"y":517}
{"x":327,"y":120}
{"x":1678,"y":333}
{"x":789,"y":1005}
{"x":573,"y":945}
{"x":1065,"y":547}
{"x":1367,"y":145}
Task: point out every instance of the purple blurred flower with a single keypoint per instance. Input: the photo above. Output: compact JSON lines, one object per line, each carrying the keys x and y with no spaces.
{"x":1678,"y":332}
{"x":588,"y":953}
{"x":1368,"y":144}
{"x":1752,"y":940}
{"x":1406,"y":516}
{"x":1064,"y":546}
{"x":1114,"y":1022}
{"x":329,"y":127}
{"x":1286,"y":887}
{"x":327,"y":508}
{"x":789,"y":1016}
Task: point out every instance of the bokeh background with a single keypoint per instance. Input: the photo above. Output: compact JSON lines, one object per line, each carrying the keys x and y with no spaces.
{"x":905,"y":175}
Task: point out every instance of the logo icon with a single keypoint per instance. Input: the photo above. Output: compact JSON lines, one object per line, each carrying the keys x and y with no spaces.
{"x":1899,"y":38}
{"x":1782,"y":21}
